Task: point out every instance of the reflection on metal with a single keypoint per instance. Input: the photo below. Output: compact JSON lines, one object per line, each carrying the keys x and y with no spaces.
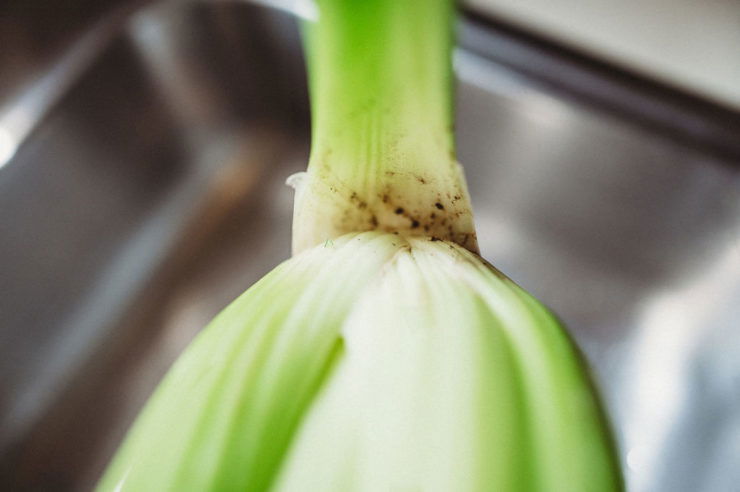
{"x":8,"y":145}
{"x":669,"y":349}
{"x":28,"y":108}
{"x":475,"y":71}
{"x":305,"y":9}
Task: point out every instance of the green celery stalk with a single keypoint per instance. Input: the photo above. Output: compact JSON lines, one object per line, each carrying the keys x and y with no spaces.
{"x":382,"y":150}
{"x":386,"y":354}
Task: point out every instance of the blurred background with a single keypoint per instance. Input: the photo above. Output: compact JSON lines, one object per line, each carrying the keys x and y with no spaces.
{"x":144,"y":147}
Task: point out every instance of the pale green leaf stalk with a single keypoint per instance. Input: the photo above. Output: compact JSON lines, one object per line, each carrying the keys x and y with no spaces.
{"x":386,"y":355}
{"x":382,"y":150}
{"x":375,"y":363}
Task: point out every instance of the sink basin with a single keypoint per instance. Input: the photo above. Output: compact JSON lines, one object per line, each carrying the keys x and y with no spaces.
{"x":151,"y":193}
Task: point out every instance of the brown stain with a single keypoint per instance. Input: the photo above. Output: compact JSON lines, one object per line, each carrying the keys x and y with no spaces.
{"x":370,"y":212}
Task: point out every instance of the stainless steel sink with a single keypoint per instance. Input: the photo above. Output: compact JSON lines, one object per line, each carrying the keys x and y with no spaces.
{"x":150,"y":193}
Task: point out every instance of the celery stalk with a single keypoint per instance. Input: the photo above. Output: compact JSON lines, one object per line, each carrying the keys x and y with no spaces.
{"x":386,"y":354}
{"x":382,"y":150}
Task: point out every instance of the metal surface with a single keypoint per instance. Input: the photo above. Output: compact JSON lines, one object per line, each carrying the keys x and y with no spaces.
{"x":152,"y":194}
{"x":682,"y":42}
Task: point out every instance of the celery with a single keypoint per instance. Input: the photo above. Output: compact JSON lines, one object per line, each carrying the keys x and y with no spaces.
{"x":382,"y":153}
{"x":386,"y":354}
